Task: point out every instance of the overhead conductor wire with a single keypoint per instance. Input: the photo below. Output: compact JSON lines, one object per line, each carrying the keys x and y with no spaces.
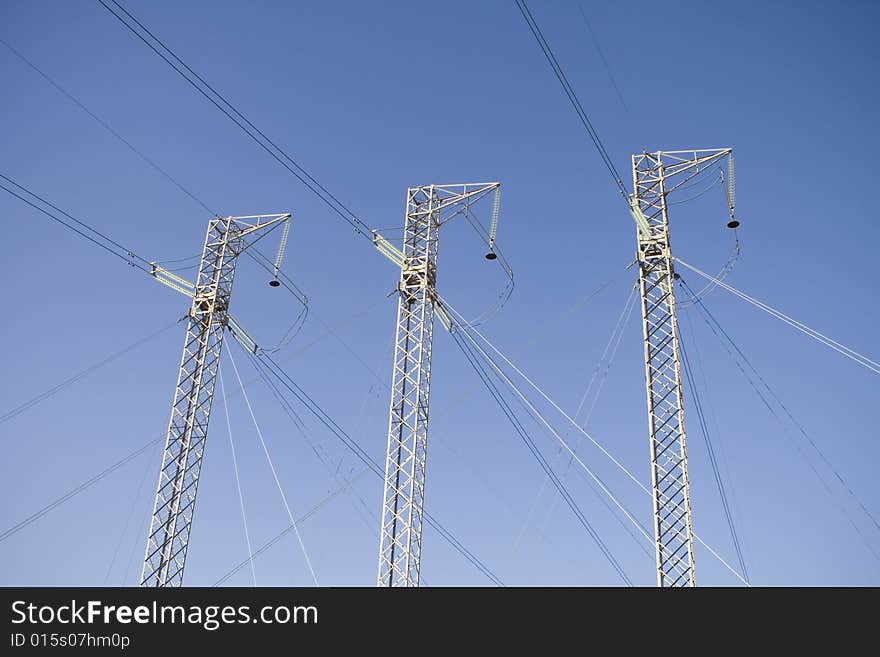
{"x":247,"y":535}
{"x":221,"y":103}
{"x":574,"y":423}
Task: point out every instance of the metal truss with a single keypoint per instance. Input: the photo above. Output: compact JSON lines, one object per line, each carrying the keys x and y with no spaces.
{"x":208,"y":317}
{"x":655,"y":176}
{"x":427,"y":208}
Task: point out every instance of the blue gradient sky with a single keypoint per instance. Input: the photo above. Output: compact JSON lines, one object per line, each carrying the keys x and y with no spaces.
{"x":372,"y":98}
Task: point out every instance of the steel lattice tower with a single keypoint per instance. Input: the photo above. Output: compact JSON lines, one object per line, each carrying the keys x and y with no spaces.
{"x":208,"y":318}
{"x":403,"y":502}
{"x":655,"y":175}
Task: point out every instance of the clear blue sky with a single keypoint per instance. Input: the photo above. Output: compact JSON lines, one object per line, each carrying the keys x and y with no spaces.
{"x":373,"y":98}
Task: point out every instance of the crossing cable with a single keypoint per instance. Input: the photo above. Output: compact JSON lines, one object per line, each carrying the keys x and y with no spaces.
{"x":588,"y":126}
{"x":298,"y":422}
{"x":308,"y":514}
{"x":574,"y":423}
{"x":137,"y":544}
{"x":539,"y":457}
{"x":861,"y":359}
{"x":572,"y":96}
{"x":538,"y":415}
{"x":221,"y":103}
{"x":315,"y":409}
{"x":616,"y":339}
{"x":617,"y":327}
{"x":742,"y":362}
{"x":108,"y":128}
{"x":707,"y":439}
{"x":247,"y":535}
{"x":253,"y":253}
{"x":134,"y":504}
{"x":91,"y":481}
{"x":11,"y":531}
{"x":46,"y":394}
{"x":448,"y":536}
{"x":602,"y":57}
{"x":485,"y":376}
{"x":286,"y":404}
{"x":612,"y":346}
{"x":134,"y":260}
{"x":272,"y":468}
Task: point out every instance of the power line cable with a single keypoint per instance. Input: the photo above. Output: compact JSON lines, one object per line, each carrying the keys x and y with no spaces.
{"x":308,"y":514}
{"x":46,"y":394}
{"x":742,"y":362}
{"x":602,"y":57}
{"x":109,"y":129}
{"x":101,"y":475}
{"x":131,"y":512}
{"x":539,"y":457}
{"x":302,"y":545}
{"x":316,"y":410}
{"x":534,"y":505}
{"x":616,"y":339}
{"x":572,"y":96}
{"x":298,"y":422}
{"x":137,"y":544}
{"x":861,"y":359}
{"x":121,"y":252}
{"x":222,"y":104}
{"x":716,"y":473}
{"x":247,"y":534}
{"x":571,"y":420}
{"x":11,"y":531}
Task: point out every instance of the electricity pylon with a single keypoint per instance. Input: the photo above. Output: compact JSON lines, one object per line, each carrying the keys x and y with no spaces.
{"x":427,"y":208}
{"x":208,"y":318}
{"x":655,"y":176}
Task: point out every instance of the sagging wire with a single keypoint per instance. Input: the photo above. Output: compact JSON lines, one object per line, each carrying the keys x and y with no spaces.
{"x":288,"y":284}
{"x":701,"y":193}
{"x":397,"y":255}
{"x":729,"y":265}
{"x":488,"y":238}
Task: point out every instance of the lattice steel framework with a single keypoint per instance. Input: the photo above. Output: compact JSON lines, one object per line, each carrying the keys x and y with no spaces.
{"x":403,"y":501}
{"x":655,"y":176}
{"x":168,"y":539}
